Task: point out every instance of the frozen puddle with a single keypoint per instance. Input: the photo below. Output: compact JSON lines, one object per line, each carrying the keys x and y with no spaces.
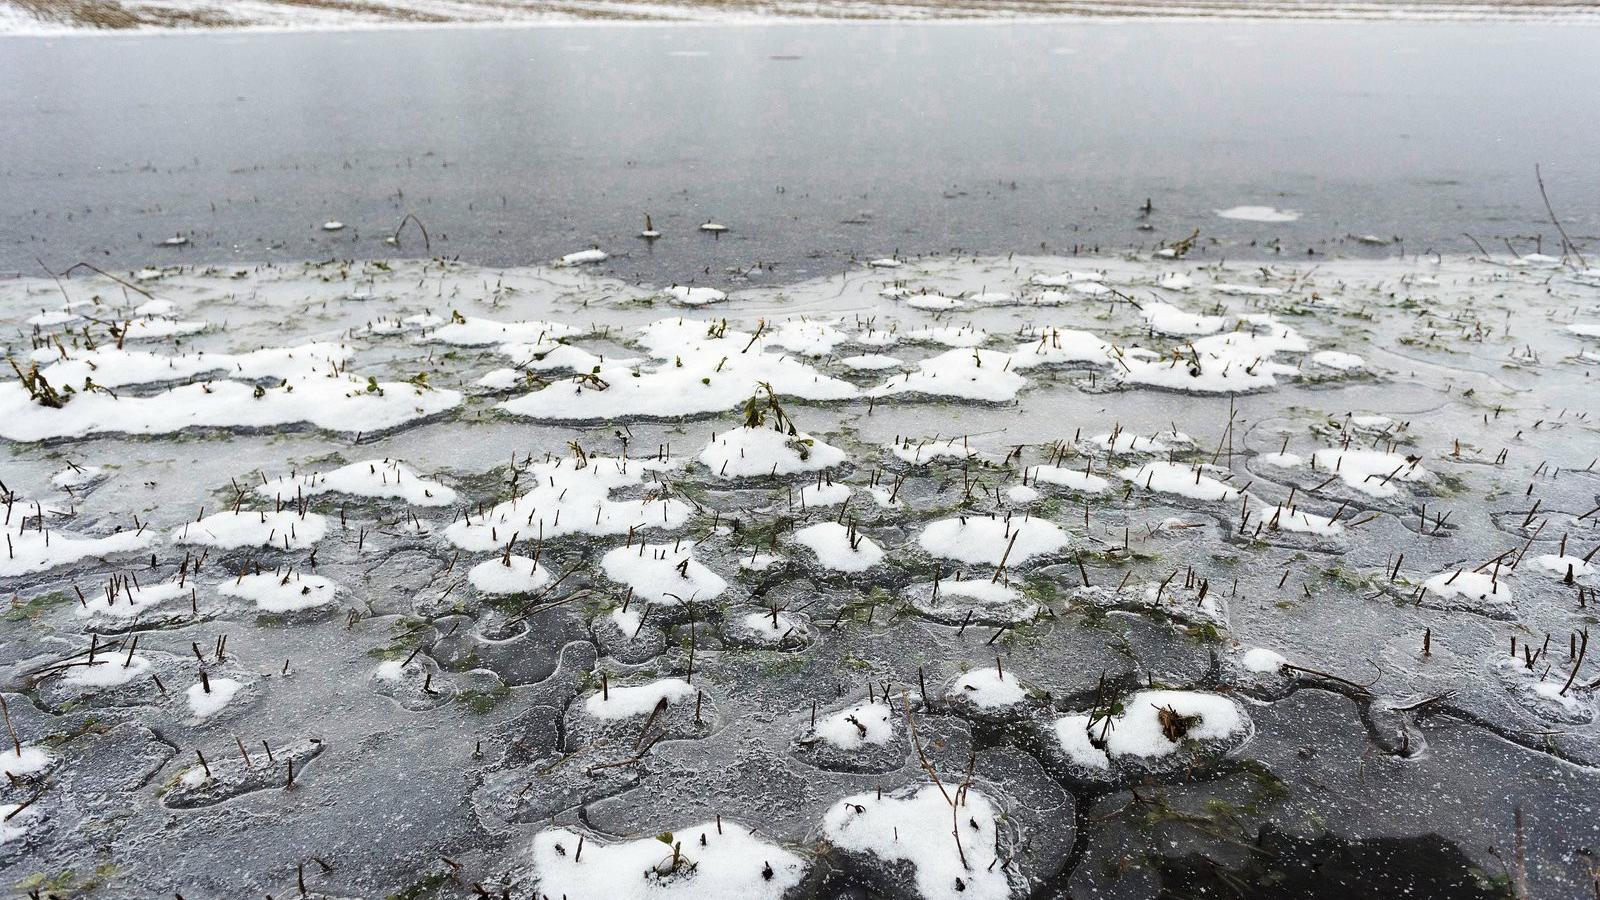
{"x":904,"y":582}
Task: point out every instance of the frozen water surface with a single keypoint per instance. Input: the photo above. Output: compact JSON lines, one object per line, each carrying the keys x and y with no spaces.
{"x":1213,"y":575}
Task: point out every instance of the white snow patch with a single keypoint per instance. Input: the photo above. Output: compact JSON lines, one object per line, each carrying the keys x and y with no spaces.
{"x":980,"y":539}
{"x":384,"y":478}
{"x":663,"y":572}
{"x":1257,"y":214}
{"x":915,"y":827}
{"x":508,"y":575}
{"x":254,"y":528}
{"x":203,"y":704}
{"x":626,"y":702}
{"x":746,"y":452}
{"x":276,"y":593}
{"x":830,"y":541}
{"x":720,"y":861}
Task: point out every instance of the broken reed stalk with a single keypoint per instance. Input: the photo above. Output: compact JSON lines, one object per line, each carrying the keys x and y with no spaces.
{"x":927,"y":766}
{"x":427,"y":245}
{"x":5,"y":711}
{"x":1566,"y":241}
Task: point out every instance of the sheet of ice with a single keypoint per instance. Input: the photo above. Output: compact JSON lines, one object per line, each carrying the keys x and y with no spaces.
{"x":870,"y":362}
{"x":1246,"y":290}
{"x":956,"y":336}
{"x":1067,"y":279}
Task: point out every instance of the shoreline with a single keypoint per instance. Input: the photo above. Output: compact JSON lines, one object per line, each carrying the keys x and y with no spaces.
{"x":1427,"y":14}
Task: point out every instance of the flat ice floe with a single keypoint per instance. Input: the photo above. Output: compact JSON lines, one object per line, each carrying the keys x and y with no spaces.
{"x":1258,"y":214}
